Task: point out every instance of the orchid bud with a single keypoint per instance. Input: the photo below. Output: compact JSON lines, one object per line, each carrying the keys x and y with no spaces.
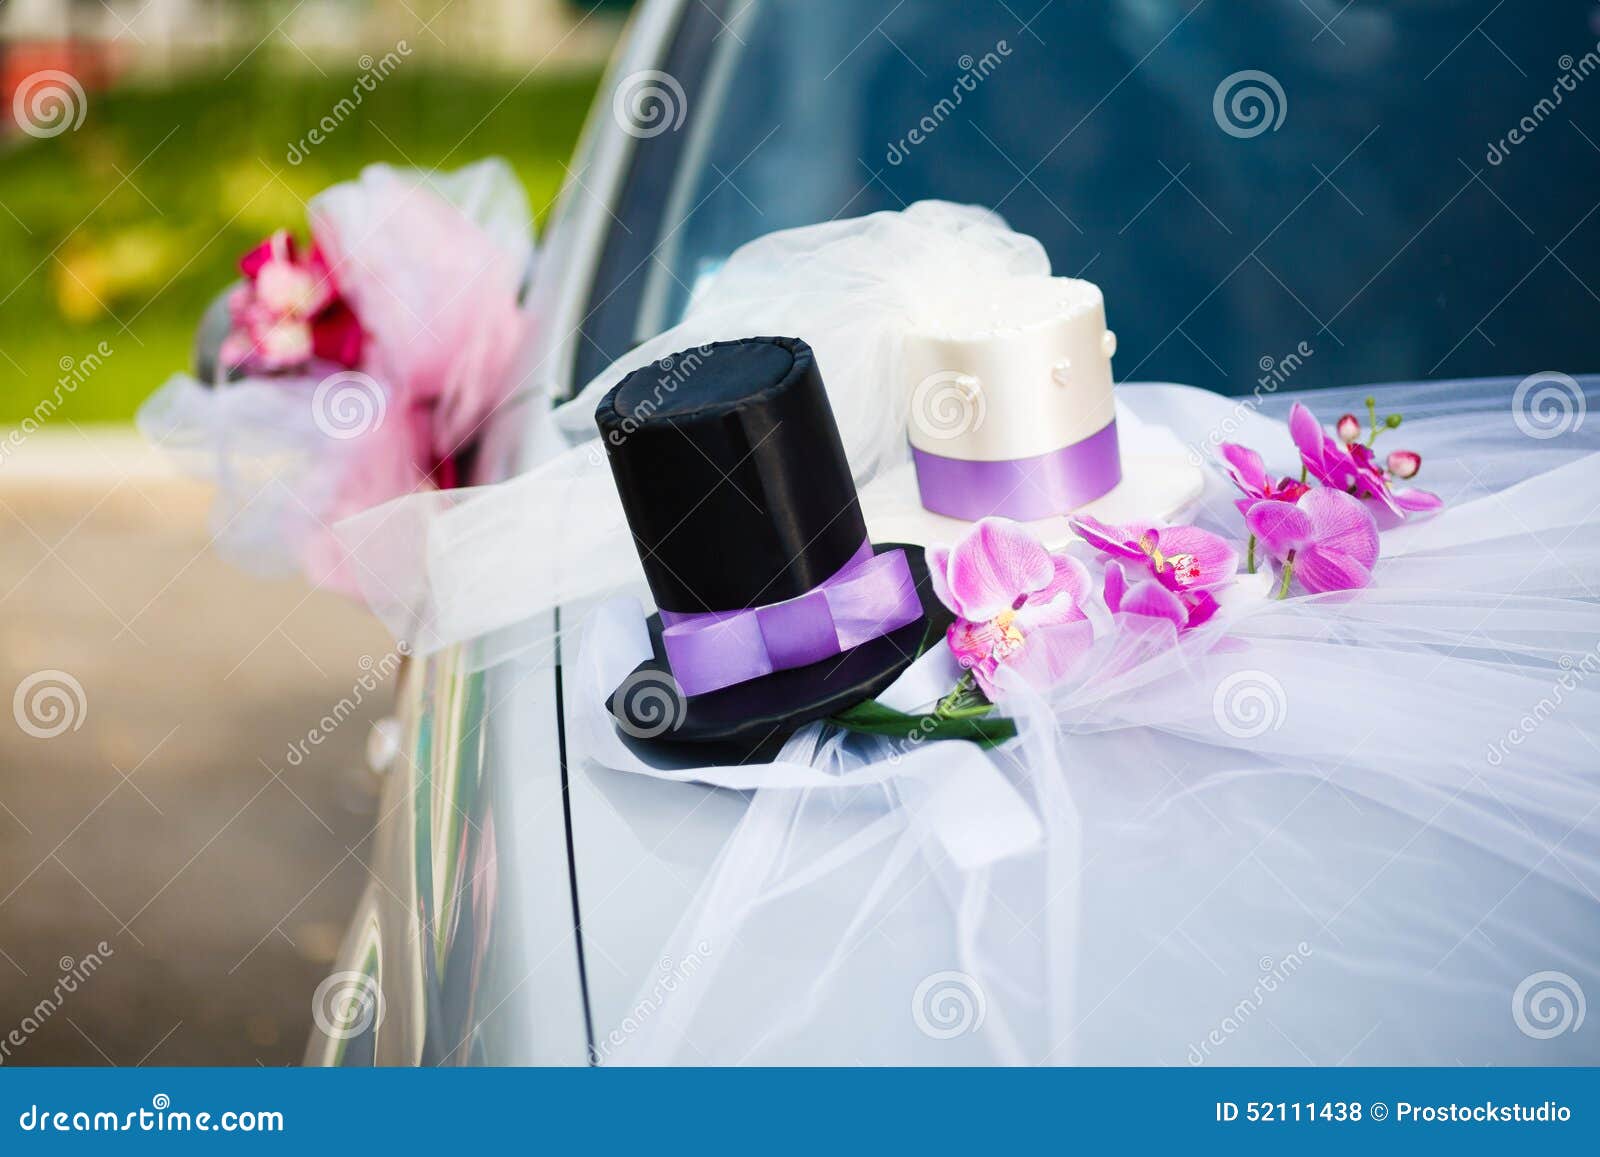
{"x":1392,"y":422}
{"x":1349,"y":428}
{"x":1404,"y":463}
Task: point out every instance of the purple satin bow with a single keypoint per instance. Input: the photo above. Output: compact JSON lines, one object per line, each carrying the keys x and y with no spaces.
{"x":865,"y":599}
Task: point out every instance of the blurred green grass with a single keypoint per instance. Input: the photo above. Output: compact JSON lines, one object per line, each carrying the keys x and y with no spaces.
{"x":123,"y":231}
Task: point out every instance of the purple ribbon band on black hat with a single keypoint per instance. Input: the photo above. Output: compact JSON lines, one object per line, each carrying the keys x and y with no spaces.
{"x":1022,"y":488}
{"x":868,"y":597}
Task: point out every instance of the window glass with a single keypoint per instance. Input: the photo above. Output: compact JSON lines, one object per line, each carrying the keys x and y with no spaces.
{"x":1394,"y":191}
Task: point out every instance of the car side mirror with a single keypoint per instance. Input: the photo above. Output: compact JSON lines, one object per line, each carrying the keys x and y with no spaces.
{"x":208,"y":338}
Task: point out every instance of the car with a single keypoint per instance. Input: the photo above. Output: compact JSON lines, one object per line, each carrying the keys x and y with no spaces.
{"x":1273,"y":195}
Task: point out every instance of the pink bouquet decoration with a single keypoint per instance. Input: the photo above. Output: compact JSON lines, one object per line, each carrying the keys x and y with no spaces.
{"x":1020,"y":608}
{"x":288,"y":312}
{"x":362,"y":366}
{"x":1007,"y":591}
{"x":1330,"y":533}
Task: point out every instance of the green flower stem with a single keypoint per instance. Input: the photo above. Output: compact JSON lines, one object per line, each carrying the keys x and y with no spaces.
{"x":1372,"y":420}
{"x":963,"y":714}
{"x":975,"y":712}
{"x":966,"y":701}
{"x":1288,"y":574}
{"x":1250,"y":556}
{"x":946,"y":707}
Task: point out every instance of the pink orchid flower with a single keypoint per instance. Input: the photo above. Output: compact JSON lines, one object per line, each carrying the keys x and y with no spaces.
{"x":1147,"y":598}
{"x":1354,"y":469}
{"x":1181,"y":558}
{"x":288,"y":312}
{"x":1249,"y":474}
{"x":1007,"y":590}
{"x":1328,"y":539}
{"x":1187,"y":562}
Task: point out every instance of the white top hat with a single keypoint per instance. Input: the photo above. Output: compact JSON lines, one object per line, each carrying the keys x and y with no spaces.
{"x":1012,"y":413}
{"x":1011,"y":408}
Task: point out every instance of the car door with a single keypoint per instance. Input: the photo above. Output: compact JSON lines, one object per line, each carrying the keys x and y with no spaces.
{"x":465,"y":948}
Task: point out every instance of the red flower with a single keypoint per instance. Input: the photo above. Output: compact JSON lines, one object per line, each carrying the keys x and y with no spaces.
{"x":288,"y":312}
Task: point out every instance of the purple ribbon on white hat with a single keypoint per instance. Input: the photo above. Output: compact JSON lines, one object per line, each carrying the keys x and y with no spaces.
{"x":867,"y":598}
{"x":1026,"y":489}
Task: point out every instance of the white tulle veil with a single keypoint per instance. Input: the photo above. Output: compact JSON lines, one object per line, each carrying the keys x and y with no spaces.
{"x":1359,"y":828}
{"x":1352,"y":828}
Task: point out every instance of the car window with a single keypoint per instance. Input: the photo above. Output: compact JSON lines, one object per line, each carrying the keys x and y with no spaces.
{"x":664,"y":100}
{"x":1405,"y":190}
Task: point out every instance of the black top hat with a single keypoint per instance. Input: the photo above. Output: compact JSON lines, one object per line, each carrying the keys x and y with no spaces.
{"x":775,"y":607}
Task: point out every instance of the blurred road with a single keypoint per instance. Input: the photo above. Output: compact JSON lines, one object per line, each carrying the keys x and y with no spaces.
{"x":164,"y":819}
